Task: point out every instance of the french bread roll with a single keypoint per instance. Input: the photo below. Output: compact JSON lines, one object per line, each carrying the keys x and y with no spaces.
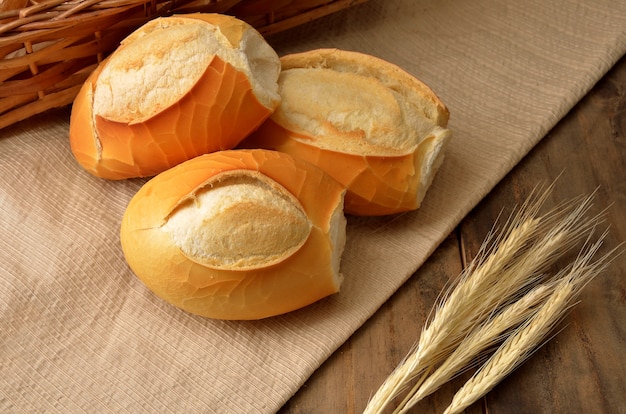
{"x":239,"y":234}
{"x":372,"y":126}
{"x":175,"y":88}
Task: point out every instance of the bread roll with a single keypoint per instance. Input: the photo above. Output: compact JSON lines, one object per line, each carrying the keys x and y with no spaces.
{"x":176,"y":88}
{"x":239,"y":234}
{"x":372,"y":126}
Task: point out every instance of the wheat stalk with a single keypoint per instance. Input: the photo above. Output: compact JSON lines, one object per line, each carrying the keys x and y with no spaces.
{"x":497,"y":275}
{"x":520,"y":345}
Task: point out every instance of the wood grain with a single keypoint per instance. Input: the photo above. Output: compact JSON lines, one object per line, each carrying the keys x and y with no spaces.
{"x":582,"y":369}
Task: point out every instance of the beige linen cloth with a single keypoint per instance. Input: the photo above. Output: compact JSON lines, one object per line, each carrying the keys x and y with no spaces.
{"x":78,"y":331}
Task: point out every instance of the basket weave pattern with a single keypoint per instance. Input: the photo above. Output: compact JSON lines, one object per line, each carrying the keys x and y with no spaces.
{"x":49,"y":47}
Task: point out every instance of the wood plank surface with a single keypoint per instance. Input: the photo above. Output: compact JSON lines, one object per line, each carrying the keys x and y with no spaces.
{"x":583,"y":368}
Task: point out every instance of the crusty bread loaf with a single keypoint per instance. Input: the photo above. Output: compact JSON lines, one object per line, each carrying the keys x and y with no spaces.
{"x":176,"y":88}
{"x":372,"y":126}
{"x":239,"y":234}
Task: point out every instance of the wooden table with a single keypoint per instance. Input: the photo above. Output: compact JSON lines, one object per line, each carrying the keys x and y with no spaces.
{"x":583,"y":368}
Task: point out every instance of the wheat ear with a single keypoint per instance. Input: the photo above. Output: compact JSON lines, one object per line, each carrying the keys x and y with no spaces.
{"x":520,"y":345}
{"x":514,"y":264}
{"x":517,"y":263}
{"x":438,"y":337}
{"x":498,"y":273}
{"x":481,"y":338}
{"x":563,"y":227}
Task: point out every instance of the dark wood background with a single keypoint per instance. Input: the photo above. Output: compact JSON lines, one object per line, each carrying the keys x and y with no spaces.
{"x":583,"y":368}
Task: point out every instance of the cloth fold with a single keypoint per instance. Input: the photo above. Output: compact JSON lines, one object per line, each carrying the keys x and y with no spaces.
{"x":80,"y":333}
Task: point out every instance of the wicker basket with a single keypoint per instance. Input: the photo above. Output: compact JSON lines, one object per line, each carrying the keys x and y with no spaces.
{"x":49,"y":47}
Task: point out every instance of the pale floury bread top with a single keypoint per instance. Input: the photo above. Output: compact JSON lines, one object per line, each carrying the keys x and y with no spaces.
{"x":239,"y":220}
{"x":145,"y":77}
{"x":356,"y":103}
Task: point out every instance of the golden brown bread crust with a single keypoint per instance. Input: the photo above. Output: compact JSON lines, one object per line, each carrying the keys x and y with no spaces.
{"x":215,"y":112}
{"x":263,"y":287}
{"x":384,"y":144}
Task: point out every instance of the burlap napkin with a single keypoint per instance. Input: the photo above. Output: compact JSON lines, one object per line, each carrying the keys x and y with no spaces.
{"x":79,"y":333}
